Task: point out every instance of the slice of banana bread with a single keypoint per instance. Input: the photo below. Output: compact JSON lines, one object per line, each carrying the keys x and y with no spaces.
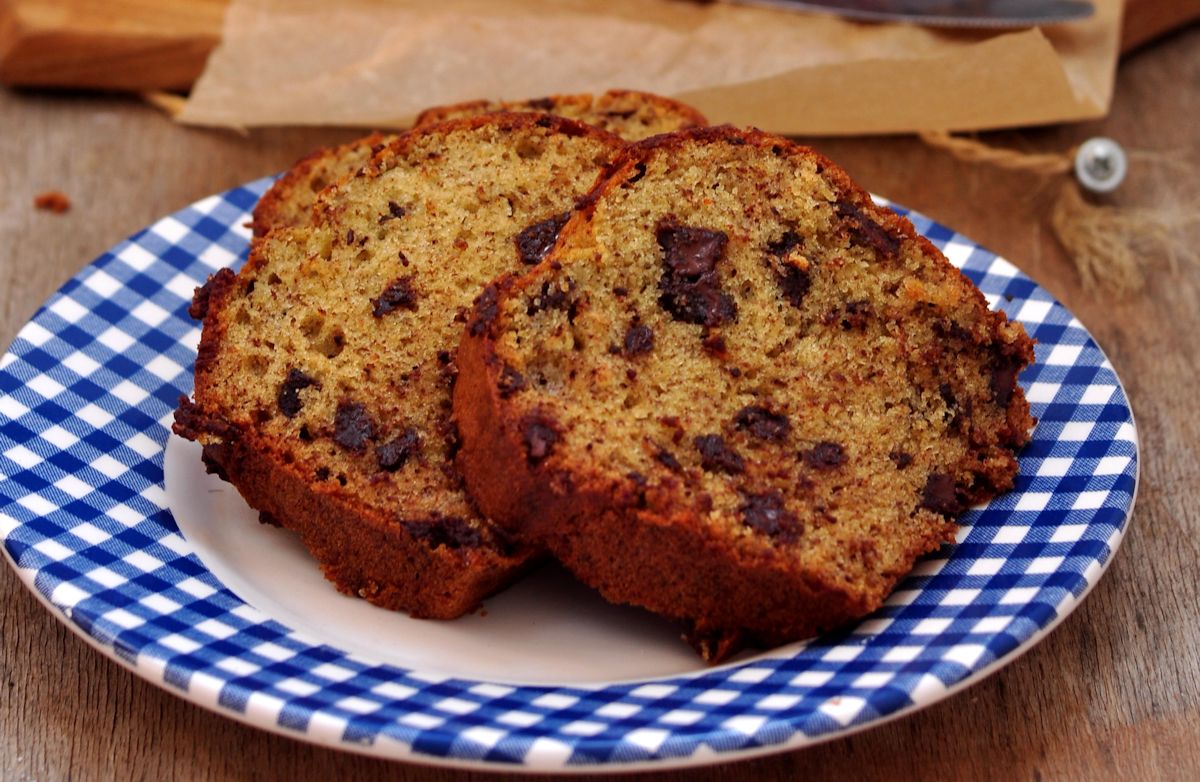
{"x":625,"y":113}
{"x":325,"y":366}
{"x":737,"y":392}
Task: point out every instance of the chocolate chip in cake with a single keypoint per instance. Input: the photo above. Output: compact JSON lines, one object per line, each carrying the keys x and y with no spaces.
{"x":1004,"y":379}
{"x":395,"y":211}
{"x":865,"y":231}
{"x":782,"y":246}
{"x":352,"y":426}
{"x":398,"y":294}
{"x":767,"y":515}
{"x":762,"y":423}
{"x":940,"y":495}
{"x":825,"y":456}
{"x":551,"y":297}
{"x":539,"y":434}
{"x":901,"y":459}
{"x":486,"y":308}
{"x":690,"y":285}
{"x":794,"y":283}
{"x":393,"y":454}
{"x":510,"y":382}
{"x":450,"y":531}
{"x":667,"y":459}
{"x":717,"y":456}
{"x":289,"y":392}
{"x":535,"y":242}
{"x":639,"y":339}
{"x":640,"y":169}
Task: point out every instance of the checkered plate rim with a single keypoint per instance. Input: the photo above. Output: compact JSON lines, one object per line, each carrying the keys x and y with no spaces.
{"x":87,"y":390}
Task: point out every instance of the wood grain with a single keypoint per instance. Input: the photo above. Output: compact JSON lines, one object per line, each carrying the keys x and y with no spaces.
{"x":1113,"y":693}
{"x":113,"y":45}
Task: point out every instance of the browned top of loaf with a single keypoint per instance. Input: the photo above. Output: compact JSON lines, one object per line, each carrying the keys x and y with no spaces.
{"x":628,"y":114}
{"x":734,"y":348}
{"x":290,"y":199}
{"x":335,"y":343}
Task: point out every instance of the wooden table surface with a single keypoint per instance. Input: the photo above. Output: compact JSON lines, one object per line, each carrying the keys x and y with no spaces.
{"x":1113,"y":693}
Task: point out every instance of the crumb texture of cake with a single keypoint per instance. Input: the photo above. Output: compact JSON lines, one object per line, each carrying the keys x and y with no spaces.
{"x":325,"y":367}
{"x":738,"y":393}
{"x":631,"y":115}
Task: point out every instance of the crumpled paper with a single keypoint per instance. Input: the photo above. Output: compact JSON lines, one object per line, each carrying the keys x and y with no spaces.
{"x":375,"y":63}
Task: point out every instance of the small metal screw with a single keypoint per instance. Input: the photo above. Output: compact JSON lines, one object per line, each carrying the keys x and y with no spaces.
{"x":1100,"y":165}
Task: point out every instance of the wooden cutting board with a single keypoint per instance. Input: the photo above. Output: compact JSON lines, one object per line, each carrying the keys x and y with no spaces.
{"x":163,"y":44}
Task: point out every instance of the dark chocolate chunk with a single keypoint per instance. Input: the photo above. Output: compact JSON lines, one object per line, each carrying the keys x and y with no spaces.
{"x":762,"y":423}
{"x":690,"y":285}
{"x":349,"y":236}
{"x":668,"y":460}
{"x":717,"y":456}
{"x":785,"y":244}
{"x":794,"y":281}
{"x":639,"y":339}
{"x":551,"y":297}
{"x":794,"y":284}
{"x":352,"y":426}
{"x":539,"y":434}
{"x":393,"y":454}
{"x":219,"y":281}
{"x":825,"y":456}
{"x":941,"y":495}
{"x":395,"y":211}
{"x":511,"y":381}
{"x":449,"y":531}
{"x":486,"y":308}
{"x":767,"y":515}
{"x":640,"y":168}
{"x":865,"y":231}
{"x":901,"y":458}
{"x":322,"y":473}
{"x":288,"y":398}
{"x":535,"y":241}
{"x":398,"y":294}
{"x":1004,"y":379}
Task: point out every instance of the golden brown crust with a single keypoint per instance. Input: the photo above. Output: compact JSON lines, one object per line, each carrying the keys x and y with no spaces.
{"x":630,"y":114}
{"x":290,"y":198}
{"x":364,"y":553}
{"x":637,"y":537}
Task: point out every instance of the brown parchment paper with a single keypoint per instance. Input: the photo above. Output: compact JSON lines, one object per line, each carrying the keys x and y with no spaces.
{"x":377,"y":63}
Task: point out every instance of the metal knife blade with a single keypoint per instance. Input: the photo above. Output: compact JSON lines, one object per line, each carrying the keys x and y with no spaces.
{"x":945,"y":13}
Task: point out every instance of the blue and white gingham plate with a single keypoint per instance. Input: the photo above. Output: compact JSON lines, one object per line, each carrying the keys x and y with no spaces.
{"x":87,"y":392}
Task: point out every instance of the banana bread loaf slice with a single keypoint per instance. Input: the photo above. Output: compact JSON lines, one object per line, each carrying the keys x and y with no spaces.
{"x":625,"y":113}
{"x":737,"y":392}
{"x":325,"y":365}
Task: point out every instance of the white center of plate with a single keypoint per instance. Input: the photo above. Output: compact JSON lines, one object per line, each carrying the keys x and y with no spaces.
{"x":545,"y":629}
